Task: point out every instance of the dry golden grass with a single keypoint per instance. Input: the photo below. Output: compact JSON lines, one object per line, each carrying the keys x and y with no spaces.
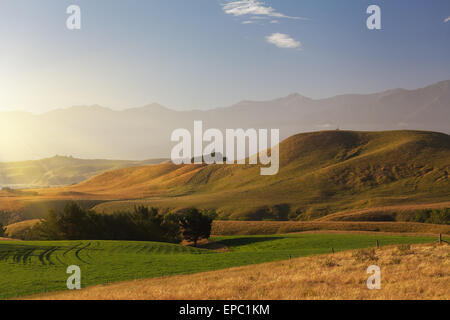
{"x":280,"y":227}
{"x":14,"y":229}
{"x":320,"y":173}
{"x":368,"y":213}
{"x":418,"y":272}
{"x":5,"y":239}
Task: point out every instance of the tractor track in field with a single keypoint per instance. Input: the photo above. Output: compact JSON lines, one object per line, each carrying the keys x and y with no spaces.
{"x":77,"y":253}
{"x":72,"y":248}
{"x":47,"y":255}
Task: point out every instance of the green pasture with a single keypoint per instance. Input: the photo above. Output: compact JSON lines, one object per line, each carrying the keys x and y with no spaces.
{"x":40,"y":266}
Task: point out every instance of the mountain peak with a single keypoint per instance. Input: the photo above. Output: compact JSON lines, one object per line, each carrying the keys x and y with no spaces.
{"x":152,"y":107}
{"x":95,"y":107}
{"x":445,"y":84}
{"x":294,"y":97}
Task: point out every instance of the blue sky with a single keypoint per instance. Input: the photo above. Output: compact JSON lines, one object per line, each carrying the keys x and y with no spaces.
{"x":202,"y":54}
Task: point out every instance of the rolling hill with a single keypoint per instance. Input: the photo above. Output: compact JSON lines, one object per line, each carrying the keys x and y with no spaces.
{"x":320,"y":173}
{"x":59,"y":170}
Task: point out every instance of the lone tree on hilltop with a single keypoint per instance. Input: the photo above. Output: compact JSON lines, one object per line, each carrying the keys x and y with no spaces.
{"x":195,"y":225}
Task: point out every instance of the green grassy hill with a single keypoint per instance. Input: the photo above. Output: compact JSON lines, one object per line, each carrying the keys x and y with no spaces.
{"x":320,"y":173}
{"x":59,"y":170}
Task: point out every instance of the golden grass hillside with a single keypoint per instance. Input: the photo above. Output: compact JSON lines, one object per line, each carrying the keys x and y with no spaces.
{"x":15,"y":230}
{"x":388,"y":212}
{"x":407,"y":272}
{"x":60,"y":170}
{"x":228,"y":228}
{"x":320,"y":173}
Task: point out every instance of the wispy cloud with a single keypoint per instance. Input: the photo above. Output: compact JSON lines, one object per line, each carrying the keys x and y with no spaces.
{"x":256,"y":11}
{"x":253,"y":8}
{"x":282,"y":40}
{"x":447,"y":20}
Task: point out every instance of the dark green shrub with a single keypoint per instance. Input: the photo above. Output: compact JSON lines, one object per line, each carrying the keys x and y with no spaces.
{"x":436,"y":216}
{"x":75,"y":223}
{"x":195,"y":225}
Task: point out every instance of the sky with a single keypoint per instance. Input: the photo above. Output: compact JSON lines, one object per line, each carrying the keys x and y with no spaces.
{"x":202,"y":54}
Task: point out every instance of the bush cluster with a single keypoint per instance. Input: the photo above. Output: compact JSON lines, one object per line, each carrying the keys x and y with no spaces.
{"x":142,"y":224}
{"x":436,"y":216}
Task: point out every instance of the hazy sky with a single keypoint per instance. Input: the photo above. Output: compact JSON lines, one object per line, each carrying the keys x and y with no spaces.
{"x":209,"y":53}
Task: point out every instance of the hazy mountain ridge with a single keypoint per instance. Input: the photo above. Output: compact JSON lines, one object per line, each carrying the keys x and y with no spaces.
{"x":59,"y":170}
{"x":144,"y":132}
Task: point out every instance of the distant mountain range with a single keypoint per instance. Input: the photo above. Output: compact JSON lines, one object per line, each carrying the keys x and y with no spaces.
{"x":58,"y":170}
{"x":144,"y":133}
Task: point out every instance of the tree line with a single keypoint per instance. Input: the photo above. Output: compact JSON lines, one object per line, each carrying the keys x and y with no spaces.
{"x":434,"y":216}
{"x":141,"y":224}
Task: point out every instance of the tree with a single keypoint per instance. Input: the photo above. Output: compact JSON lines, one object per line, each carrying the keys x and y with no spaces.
{"x":76,"y":223}
{"x":195,"y":225}
{"x":142,"y":213}
{"x":2,"y":230}
{"x":171,"y":225}
{"x":439,"y":216}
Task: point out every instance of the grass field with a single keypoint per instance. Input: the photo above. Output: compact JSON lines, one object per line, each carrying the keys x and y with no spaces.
{"x":407,"y":273}
{"x":38,"y":267}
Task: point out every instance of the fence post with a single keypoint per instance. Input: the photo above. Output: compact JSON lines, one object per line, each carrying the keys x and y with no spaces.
{"x":332,"y":250}
{"x":440,"y":238}
{"x":378,"y":244}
